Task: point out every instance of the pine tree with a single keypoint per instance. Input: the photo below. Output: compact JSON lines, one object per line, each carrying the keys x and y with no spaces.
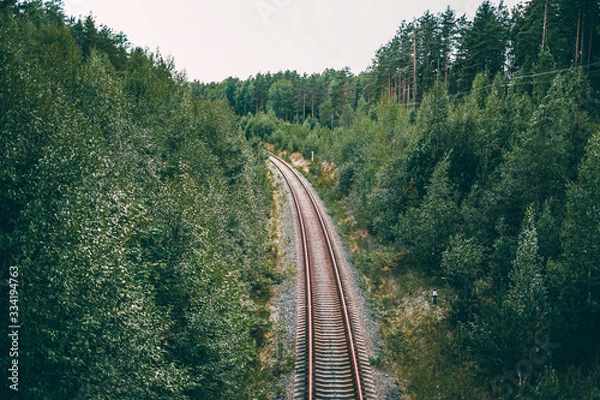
{"x":483,"y":45}
{"x":281,"y":99}
{"x":526,"y":308}
{"x":426,"y":231}
{"x":576,"y":277}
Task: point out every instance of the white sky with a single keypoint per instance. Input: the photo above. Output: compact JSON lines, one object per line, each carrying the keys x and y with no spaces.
{"x":215,"y":39}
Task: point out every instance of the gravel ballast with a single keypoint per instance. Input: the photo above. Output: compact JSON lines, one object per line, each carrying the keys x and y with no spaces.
{"x":284,"y":304}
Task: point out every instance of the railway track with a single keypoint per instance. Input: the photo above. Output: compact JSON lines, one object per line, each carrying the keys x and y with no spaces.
{"x":331,"y":361}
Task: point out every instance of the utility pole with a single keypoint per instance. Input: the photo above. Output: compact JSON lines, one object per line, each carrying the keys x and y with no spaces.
{"x":304,"y":100}
{"x":545,"y":30}
{"x":415,"y":68}
{"x":577,"y":42}
{"x":589,"y":57}
{"x":447,"y":61}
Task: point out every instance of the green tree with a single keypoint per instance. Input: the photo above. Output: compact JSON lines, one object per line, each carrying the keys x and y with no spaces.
{"x":534,"y":32}
{"x":526,"y":306}
{"x":576,"y":277}
{"x":526,"y":294}
{"x":463,"y":266}
{"x":90,"y":38}
{"x":339,"y":92}
{"x":426,"y":232}
{"x":281,"y":99}
{"x":433,"y":137}
{"x":543,"y":160}
{"x":482,"y":46}
{"x":511,"y":320}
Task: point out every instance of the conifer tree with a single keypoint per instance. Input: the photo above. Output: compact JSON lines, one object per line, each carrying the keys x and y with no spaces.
{"x":483,"y":45}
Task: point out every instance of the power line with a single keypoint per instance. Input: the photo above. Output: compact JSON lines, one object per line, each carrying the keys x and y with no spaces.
{"x":538,"y":74}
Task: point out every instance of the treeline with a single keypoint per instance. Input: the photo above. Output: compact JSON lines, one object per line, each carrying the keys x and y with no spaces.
{"x":292,"y":97}
{"x":531,"y":40}
{"x":527,"y":43}
{"x":135,"y":215}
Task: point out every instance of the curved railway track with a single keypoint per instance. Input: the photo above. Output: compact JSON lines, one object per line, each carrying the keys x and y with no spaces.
{"x":331,"y":362}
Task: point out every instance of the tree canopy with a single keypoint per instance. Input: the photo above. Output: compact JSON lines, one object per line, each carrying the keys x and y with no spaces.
{"x":135,"y":216}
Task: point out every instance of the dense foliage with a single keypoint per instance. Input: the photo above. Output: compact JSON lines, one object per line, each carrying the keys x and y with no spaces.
{"x":136,"y":216}
{"x":136,"y":211}
{"x":469,"y":154}
{"x":493,"y":198}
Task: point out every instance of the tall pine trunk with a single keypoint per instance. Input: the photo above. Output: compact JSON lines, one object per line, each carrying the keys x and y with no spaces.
{"x":415,"y":69}
{"x":578,"y":39}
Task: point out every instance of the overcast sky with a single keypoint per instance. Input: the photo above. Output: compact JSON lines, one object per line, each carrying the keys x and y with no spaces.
{"x":215,"y":39}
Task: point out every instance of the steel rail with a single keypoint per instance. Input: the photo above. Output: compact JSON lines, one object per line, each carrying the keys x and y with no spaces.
{"x":355,"y":364}
{"x":307,"y":274}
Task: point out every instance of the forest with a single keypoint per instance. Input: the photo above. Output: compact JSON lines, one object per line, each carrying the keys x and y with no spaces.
{"x":528,"y":45}
{"x":126,"y":207}
{"x":466,"y":160}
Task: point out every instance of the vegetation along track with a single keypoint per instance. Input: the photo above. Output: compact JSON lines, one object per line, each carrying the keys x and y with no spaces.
{"x":331,"y":362}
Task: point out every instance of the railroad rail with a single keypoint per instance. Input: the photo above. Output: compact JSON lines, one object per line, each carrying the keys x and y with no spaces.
{"x":331,"y":362}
